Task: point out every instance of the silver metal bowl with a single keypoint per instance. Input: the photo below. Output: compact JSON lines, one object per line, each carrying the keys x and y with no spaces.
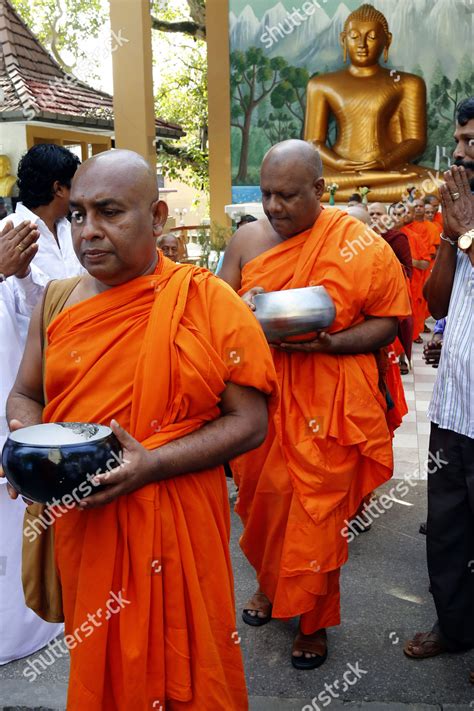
{"x":294,"y":312}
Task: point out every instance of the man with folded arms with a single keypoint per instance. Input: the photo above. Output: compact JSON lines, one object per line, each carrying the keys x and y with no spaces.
{"x":173,"y":355}
{"x":329,"y":444}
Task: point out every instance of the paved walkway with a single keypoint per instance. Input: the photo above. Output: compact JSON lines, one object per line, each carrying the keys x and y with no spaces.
{"x":385,"y":599}
{"x":412,"y":437}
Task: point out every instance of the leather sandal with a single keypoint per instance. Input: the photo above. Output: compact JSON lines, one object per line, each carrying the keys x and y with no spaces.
{"x":429,"y":644}
{"x":259,"y":602}
{"x":316,"y":643}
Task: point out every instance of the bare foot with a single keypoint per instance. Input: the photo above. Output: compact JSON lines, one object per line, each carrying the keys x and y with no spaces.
{"x":258,"y":610}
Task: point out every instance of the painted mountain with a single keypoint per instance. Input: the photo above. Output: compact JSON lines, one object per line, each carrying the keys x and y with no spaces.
{"x":424,"y":31}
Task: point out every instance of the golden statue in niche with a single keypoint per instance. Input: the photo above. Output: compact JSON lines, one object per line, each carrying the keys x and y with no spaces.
{"x":380,"y":115}
{"x":7,"y":181}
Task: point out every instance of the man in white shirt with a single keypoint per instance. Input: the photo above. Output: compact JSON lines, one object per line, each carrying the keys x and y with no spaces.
{"x":35,"y":247}
{"x":450,"y":528}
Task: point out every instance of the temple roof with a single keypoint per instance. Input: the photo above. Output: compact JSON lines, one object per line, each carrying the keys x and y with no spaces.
{"x":34,"y":87}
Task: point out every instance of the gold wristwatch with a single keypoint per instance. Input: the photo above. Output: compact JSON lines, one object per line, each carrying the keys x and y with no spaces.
{"x":465,"y":240}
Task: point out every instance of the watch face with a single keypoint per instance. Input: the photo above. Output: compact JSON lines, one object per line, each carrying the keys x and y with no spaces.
{"x":465,"y":241}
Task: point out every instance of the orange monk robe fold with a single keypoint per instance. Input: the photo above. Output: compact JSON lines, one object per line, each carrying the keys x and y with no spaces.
{"x":329,"y":444}
{"x":421,"y":248}
{"x":394,"y":383}
{"x":438,"y":218}
{"x":155,"y":353}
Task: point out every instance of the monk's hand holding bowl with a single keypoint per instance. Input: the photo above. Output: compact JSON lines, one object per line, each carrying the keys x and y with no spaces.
{"x":13,"y":493}
{"x":321,"y":344}
{"x":248,"y":296}
{"x":137,"y":469}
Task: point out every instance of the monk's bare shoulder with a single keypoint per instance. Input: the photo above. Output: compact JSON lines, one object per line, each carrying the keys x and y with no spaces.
{"x":252,"y":239}
{"x":85,"y":289}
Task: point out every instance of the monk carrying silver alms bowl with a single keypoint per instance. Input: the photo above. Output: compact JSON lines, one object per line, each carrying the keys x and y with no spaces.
{"x":294,"y":312}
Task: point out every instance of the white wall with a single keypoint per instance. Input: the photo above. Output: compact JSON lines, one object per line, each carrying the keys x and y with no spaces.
{"x":184,"y":198}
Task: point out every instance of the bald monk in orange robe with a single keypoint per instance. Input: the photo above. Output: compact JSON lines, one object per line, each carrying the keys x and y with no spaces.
{"x":421,"y":251}
{"x":433,"y":200}
{"x":328,"y":444}
{"x":172,"y":354}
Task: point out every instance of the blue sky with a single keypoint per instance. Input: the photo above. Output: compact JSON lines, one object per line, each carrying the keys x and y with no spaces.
{"x":259,"y":6}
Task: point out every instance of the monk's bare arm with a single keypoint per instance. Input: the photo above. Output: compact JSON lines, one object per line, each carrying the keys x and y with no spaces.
{"x":367,"y":337}
{"x":241,"y":427}
{"x":25,"y":402}
{"x":231,"y":266}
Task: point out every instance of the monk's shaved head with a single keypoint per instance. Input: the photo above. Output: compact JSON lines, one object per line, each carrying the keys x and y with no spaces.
{"x":359,"y":213}
{"x":116,"y":216}
{"x":292,"y":186}
{"x":378,"y":207}
{"x":126,"y":168}
{"x":299,"y":153}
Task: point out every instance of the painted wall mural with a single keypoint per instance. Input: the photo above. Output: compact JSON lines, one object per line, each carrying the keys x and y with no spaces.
{"x":277,"y":49}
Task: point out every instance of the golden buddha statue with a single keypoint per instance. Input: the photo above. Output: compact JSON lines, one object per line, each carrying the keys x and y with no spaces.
{"x":380,"y":116}
{"x":7,"y":181}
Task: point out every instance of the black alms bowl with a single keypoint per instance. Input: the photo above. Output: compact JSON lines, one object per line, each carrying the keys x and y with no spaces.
{"x":49,"y":461}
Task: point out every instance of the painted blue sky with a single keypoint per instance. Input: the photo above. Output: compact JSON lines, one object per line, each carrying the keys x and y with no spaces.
{"x":259,"y":6}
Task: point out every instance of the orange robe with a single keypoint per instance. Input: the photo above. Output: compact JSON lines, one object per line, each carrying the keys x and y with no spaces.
{"x":438,"y":218}
{"x":154,"y":353}
{"x":394,"y":383}
{"x":421,"y":248}
{"x":432,"y":232}
{"x":328,"y":444}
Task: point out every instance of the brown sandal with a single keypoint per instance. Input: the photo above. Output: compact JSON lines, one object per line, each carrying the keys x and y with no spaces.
{"x":429,"y":643}
{"x":259,"y":602}
{"x":316,"y":643}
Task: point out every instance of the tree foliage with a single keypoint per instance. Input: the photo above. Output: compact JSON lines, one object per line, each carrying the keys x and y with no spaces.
{"x":66,"y":28}
{"x":181,"y":92}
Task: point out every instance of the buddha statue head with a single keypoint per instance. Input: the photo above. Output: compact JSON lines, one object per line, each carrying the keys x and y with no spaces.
{"x":365,"y":36}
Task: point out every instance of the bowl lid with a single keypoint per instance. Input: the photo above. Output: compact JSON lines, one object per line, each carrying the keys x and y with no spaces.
{"x":60,"y":434}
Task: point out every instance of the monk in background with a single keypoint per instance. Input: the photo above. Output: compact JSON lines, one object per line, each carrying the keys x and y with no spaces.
{"x":421,"y":252}
{"x":383,"y":224}
{"x":170,"y":246}
{"x":430,"y":216}
{"x":433,"y":200}
{"x":174,"y":356}
{"x":328,"y":444}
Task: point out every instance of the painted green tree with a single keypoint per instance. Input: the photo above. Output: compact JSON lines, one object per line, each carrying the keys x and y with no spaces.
{"x":255,"y":78}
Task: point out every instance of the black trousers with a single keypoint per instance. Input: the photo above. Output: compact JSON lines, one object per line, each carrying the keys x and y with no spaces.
{"x":450,"y":535}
